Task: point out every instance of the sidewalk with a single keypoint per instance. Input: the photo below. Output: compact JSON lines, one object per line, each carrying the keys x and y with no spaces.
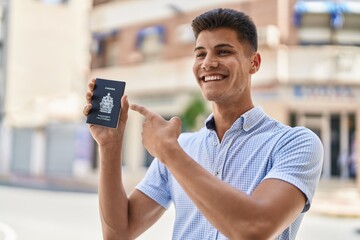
{"x":67,"y":184}
{"x":337,"y":198}
{"x":334,"y":197}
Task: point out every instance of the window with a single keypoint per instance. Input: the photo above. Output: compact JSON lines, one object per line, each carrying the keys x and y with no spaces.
{"x":349,"y":32}
{"x":150,"y":41}
{"x":55,"y":1}
{"x":328,"y":22}
{"x":105,"y":49}
{"x":313,"y":20}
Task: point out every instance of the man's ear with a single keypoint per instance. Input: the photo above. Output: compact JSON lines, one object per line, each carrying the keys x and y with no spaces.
{"x":255,"y":63}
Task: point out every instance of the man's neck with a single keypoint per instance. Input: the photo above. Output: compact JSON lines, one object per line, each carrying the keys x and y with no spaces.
{"x":225,"y":116}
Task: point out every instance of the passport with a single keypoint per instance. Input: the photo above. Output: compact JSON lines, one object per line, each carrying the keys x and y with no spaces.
{"x":106,"y":103}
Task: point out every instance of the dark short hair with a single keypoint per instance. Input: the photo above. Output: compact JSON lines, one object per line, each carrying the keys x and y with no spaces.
{"x":241,"y":23}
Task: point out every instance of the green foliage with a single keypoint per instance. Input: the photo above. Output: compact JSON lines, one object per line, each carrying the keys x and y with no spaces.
{"x":195,"y":109}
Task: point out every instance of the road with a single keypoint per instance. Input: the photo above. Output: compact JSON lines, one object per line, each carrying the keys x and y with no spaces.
{"x":28,"y":214}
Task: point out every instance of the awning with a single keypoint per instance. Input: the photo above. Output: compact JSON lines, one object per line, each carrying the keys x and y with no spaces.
{"x":350,"y":7}
{"x":157,"y":30}
{"x":99,"y":37}
{"x":334,"y":9}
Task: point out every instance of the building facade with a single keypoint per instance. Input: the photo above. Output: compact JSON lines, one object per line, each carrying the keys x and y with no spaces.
{"x":43,"y":81}
{"x":309,"y":75}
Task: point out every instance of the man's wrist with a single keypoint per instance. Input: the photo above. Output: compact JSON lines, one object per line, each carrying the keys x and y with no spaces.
{"x":111,"y":145}
{"x":168,"y":151}
{"x":110,"y":148}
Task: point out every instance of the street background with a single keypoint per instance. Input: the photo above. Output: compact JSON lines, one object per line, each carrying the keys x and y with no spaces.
{"x":50,"y":49}
{"x":43,"y":214}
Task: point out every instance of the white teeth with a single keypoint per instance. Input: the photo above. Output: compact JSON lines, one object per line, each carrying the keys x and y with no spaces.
{"x":212,"y":78}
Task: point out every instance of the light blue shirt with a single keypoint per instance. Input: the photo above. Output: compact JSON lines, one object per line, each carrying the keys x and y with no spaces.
{"x":255,"y":148}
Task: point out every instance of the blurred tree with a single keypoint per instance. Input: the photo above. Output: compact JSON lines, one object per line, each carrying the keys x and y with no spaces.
{"x":195,"y":109}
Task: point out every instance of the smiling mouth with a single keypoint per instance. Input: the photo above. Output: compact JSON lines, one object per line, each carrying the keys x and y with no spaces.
{"x":213,"y":78}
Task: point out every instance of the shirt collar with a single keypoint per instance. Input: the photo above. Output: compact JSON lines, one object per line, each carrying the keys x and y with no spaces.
{"x":245,"y":122}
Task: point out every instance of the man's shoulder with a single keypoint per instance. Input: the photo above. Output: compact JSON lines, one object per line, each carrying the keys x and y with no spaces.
{"x":288,"y":130}
{"x":300,"y":135}
{"x":302,"y":131}
{"x":288,"y":134}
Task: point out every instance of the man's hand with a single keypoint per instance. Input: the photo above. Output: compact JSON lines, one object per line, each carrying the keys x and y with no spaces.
{"x":158,"y":134}
{"x":104,"y":135}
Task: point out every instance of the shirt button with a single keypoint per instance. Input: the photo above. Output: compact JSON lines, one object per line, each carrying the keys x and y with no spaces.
{"x":215,"y":144}
{"x":217,"y":173}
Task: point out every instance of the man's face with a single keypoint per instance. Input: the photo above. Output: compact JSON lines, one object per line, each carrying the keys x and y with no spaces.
{"x":223,"y":66}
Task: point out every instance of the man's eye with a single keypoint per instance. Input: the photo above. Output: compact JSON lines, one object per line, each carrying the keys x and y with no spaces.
{"x":200,"y":55}
{"x":223,"y":52}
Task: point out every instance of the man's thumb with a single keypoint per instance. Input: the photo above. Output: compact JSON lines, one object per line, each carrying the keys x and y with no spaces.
{"x":177,"y":122}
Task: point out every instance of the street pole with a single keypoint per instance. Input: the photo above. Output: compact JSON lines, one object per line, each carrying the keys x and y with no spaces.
{"x":4,"y":18}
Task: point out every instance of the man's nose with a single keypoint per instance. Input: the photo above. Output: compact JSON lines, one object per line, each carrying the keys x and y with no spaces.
{"x":209,"y":63}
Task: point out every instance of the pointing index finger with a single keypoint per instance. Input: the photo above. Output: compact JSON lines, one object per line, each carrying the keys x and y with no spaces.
{"x":141,"y":109}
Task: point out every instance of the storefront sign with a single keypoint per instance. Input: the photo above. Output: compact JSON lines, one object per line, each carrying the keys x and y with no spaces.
{"x":323,"y":91}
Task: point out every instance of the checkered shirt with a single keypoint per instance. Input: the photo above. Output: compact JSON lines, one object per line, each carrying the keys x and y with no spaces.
{"x":255,"y":148}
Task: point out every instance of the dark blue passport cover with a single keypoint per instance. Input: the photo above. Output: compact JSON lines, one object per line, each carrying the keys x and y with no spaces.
{"x":106,"y":102}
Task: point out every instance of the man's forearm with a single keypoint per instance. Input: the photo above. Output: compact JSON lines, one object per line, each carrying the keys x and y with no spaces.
{"x":113,"y":201}
{"x":215,"y":199}
{"x":234,"y":213}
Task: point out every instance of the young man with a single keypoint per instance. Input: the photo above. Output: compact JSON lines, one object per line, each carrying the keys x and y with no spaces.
{"x":242,"y":176}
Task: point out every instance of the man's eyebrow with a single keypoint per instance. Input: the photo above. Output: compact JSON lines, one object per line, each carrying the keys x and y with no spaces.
{"x":224,"y":45}
{"x":198,"y":48}
{"x":217,"y":46}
